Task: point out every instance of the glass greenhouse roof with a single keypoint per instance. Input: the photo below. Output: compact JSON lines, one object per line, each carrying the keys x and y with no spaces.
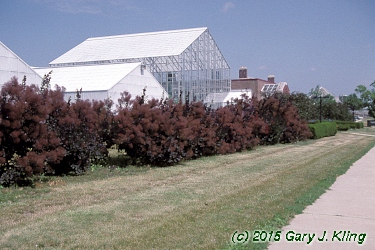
{"x":152,"y":44}
{"x":269,"y":88}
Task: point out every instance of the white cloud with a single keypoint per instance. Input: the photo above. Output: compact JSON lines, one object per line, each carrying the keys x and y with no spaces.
{"x":227,"y":6}
{"x":312,"y":69}
{"x":263,"y":67}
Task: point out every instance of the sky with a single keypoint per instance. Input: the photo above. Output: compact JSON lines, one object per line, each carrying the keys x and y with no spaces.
{"x":305,"y":43}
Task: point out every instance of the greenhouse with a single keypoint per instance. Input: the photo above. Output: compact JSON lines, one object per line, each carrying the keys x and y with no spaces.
{"x":99,"y":82}
{"x":270,"y":89}
{"x":13,"y":66}
{"x":224,"y":99}
{"x":187,"y":63}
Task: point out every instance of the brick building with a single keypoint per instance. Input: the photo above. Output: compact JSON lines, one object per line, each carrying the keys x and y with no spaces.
{"x":258,"y":86}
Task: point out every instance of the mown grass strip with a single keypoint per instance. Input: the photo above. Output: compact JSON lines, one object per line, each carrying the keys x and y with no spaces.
{"x":196,"y":205}
{"x":306,"y":198}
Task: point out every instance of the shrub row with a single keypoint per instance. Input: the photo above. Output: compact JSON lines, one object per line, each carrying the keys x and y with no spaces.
{"x":323,"y":129}
{"x":40,"y":133}
{"x":164,"y":133}
{"x":344,"y":125}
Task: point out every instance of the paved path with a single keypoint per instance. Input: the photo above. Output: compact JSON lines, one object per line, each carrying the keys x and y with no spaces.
{"x":349,"y":205}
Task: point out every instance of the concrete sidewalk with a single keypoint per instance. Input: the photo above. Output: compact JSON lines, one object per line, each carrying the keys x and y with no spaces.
{"x":342,"y":217}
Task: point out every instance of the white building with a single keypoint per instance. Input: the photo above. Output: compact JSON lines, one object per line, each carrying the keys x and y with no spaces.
{"x":100,"y":82}
{"x":11,"y":65}
{"x":223,"y":99}
{"x":185,"y":62}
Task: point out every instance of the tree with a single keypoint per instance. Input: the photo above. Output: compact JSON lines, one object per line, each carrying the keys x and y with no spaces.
{"x":315,"y":91}
{"x":353,"y":103}
{"x":368,"y":97}
{"x":323,"y":101}
{"x":309,"y":108}
{"x":305,"y":105}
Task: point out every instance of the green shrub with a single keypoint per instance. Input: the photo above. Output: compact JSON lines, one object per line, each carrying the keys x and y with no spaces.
{"x":323,"y":129}
{"x":344,"y":125}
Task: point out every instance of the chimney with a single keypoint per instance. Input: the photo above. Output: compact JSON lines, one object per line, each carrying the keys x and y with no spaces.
{"x":271,"y":78}
{"x":243,"y":72}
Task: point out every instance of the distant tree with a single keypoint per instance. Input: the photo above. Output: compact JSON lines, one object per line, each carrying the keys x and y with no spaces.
{"x":324,"y":103}
{"x":309,"y":106}
{"x":368,"y":97}
{"x":304,"y":104}
{"x":315,"y":91}
{"x":341,"y":112}
{"x":307,"y":109}
{"x":353,"y":103}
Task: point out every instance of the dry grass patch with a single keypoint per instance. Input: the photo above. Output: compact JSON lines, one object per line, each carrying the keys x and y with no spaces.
{"x":197,"y":204}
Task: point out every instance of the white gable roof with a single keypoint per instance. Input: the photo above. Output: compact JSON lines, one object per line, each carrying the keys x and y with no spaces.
{"x":225,"y":97}
{"x":324,"y":92}
{"x":142,"y":45}
{"x":89,"y":78}
{"x":236,"y":94}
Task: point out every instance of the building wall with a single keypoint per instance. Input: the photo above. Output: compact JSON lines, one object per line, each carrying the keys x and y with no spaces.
{"x":254,"y":84}
{"x":286,"y":89}
{"x":11,"y":65}
{"x":135,"y":82}
{"x":216,"y":100}
{"x":90,"y":95}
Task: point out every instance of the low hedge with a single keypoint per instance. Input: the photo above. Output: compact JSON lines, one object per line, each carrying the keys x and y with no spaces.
{"x":323,"y":129}
{"x":343,"y":125}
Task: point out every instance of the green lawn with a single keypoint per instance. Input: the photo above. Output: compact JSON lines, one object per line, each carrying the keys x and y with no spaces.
{"x":195,"y":205}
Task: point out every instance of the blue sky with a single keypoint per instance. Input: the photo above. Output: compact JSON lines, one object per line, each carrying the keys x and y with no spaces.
{"x":302,"y":42}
